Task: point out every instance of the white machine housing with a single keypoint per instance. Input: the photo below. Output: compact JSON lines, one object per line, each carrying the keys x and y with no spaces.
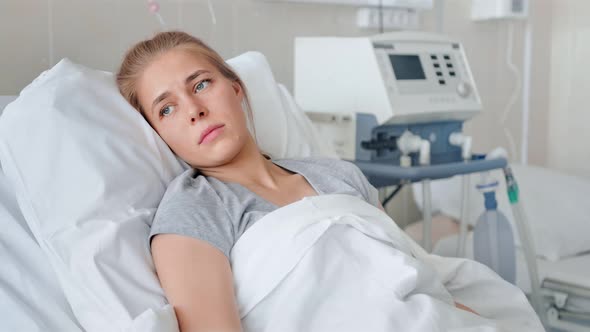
{"x":400,"y":77}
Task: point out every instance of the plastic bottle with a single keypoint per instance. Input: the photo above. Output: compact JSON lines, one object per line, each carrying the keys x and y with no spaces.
{"x":493,"y":237}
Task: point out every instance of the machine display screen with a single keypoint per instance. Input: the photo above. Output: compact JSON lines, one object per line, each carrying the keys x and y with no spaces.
{"x":407,"y":67}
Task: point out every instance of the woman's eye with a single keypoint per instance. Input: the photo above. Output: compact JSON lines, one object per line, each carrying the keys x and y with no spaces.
{"x":202,"y":85}
{"x":166,"y":111}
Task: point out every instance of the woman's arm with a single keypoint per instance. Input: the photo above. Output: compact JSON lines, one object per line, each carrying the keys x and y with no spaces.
{"x":457,"y":304}
{"x":198,"y":282}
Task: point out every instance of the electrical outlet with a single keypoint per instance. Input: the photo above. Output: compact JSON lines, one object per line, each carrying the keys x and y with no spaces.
{"x":393,"y":18}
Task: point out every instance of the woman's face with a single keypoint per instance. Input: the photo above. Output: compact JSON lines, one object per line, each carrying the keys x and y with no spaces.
{"x":195,"y":109}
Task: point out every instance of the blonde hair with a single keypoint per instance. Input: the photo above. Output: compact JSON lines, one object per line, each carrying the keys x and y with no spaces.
{"x":143,"y":53}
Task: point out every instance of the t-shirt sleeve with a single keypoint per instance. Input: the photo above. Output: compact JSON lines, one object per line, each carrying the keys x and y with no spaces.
{"x":191,"y":207}
{"x":360,"y":181}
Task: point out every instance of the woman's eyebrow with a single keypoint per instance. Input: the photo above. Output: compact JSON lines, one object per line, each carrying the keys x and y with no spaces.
{"x":195,"y":75}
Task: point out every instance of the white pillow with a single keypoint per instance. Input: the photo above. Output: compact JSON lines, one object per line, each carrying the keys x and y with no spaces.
{"x":5,"y":100}
{"x":32,"y":299}
{"x":556,"y":206}
{"x":89,"y":173}
{"x":310,"y":142}
{"x":281,"y":129}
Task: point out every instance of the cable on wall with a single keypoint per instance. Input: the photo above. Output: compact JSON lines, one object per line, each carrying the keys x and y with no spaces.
{"x":515,"y":93}
{"x":50,"y":50}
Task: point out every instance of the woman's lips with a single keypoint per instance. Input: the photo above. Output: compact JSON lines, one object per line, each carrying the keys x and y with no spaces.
{"x":211,"y":133}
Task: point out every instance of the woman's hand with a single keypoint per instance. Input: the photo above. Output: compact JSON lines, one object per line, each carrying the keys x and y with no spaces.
{"x":466,"y":308}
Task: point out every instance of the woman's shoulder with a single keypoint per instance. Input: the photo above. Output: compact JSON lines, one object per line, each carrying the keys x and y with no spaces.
{"x":192,"y":207}
{"x":184,"y":181}
{"x":186,"y":187}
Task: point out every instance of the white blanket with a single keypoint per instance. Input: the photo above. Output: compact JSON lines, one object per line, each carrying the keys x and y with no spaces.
{"x":337,"y":263}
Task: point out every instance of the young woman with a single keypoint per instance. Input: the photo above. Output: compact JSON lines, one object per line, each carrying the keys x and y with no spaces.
{"x":199,"y":106}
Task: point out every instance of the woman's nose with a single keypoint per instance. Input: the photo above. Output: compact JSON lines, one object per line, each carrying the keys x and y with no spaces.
{"x":197,"y":113}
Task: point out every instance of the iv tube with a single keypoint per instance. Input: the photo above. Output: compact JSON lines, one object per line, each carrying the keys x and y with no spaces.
{"x":527,"y":242}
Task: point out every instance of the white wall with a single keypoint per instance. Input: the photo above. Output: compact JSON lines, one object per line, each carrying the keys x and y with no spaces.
{"x":569,"y":115}
{"x":35,"y":34}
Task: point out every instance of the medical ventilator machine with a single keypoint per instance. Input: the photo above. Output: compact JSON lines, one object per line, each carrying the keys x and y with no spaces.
{"x":395,"y":104}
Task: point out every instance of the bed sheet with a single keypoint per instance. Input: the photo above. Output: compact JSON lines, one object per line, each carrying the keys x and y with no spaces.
{"x":401,"y":288}
{"x":30,"y":297}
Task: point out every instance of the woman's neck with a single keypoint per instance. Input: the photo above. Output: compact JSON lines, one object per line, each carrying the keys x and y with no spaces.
{"x":249,"y":168}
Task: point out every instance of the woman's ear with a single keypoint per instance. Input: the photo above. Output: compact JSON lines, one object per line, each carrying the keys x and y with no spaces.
{"x":238,"y":89}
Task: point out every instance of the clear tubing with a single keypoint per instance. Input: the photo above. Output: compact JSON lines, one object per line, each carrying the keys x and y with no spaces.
{"x":212,"y":12}
{"x":427,"y":229}
{"x":515,"y":93}
{"x":531,"y":259}
{"x":464,"y":217}
{"x":527,"y":243}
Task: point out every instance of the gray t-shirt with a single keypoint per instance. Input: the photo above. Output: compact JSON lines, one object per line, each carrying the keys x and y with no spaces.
{"x":219,"y":213}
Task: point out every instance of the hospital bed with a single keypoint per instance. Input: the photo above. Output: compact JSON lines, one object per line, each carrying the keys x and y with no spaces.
{"x":564,"y":273}
{"x":61,"y":273}
{"x":31,"y":298}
